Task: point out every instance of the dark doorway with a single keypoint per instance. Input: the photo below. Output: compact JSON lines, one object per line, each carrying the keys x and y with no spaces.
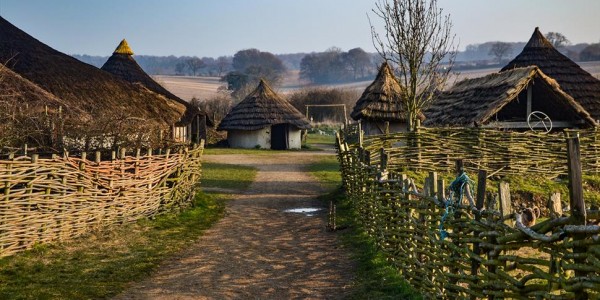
{"x":279,"y":137}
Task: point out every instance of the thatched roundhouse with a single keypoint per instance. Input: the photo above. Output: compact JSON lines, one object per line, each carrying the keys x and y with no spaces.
{"x":381,"y":108}
{"x":85,"y":87}
{"x":30,"y":115}
{"x":505,"y":100}
{"x":192,"y":125}
{"x":20,"y":92}
{"x":264,"y":119}
{"x":573,"y":80}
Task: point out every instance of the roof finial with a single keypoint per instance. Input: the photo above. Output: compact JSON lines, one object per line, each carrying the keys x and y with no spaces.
{"x":123,"y":48}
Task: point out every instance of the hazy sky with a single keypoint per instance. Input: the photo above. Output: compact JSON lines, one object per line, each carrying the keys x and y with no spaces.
{"x":222,"y":27}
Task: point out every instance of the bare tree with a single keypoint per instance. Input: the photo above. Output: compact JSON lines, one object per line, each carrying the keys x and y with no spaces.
{"x":195,"y":64}
{"x":179,"y":68}
{"x":500,"y":50}
{"x":222,"y":64}
{"x":557,"y":39}
{"x":417,"y":41}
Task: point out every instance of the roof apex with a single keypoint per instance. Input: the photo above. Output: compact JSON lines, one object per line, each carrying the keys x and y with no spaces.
{"x":123,"y":48}
{"x":538,"y":40}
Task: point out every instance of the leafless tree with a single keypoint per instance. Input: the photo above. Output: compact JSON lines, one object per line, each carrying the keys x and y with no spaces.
{"x":418,"y":41}
{"x":195,"y":64}
{"x":557,"y":39}
{"x":222,"y":64}
{"x":499,"y":50}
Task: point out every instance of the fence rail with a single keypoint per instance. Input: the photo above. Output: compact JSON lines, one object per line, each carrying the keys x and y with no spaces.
{"x":60,"y":197}
{"x":451,"y":242}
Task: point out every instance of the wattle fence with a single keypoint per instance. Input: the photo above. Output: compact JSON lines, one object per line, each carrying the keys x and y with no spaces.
{"x":44,"y":199}
{"x":457,"y":242}
{"x":498,"y":152}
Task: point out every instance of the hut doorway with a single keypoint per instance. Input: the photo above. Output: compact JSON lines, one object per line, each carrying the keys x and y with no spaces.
{"x":279,"y":137}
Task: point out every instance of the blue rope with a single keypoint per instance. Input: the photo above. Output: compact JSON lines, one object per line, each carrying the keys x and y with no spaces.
{"x":457,"y":188}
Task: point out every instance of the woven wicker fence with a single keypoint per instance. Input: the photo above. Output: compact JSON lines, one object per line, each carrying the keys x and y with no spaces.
{"x":488,"y":251}
{"x":61,"y":197}
{"x":498,"y":152}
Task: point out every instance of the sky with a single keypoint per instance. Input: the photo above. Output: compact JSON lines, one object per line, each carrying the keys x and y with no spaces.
{"x":211,"y":28}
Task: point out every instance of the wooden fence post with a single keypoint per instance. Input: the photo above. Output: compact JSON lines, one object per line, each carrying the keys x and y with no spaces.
{"x":481,"y":187}
{"x":578,"y":212}
{"x":459,"y":167}
{"x":555,"y":206}
{"x":575,"y":181}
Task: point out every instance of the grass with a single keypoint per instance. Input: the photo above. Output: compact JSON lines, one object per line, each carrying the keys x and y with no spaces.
{"x":102,"y":263}
{"x":375,"y":278}
{"x":221,"y":151}
{"x":313,"y":138}
{"x":227,"y":176}
{"x":327,"y":171}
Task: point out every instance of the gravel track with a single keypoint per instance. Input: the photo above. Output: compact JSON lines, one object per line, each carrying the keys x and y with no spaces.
{"x":259,"y":251}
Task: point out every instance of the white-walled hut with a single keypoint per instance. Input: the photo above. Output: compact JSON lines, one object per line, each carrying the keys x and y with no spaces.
{"x":381,"y":107}
{"x":264,"y":120}
{"x":191,"y":127}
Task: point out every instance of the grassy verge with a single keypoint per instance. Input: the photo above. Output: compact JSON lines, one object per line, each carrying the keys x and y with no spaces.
{"x":101,"y":264}
{"x":375,"y":277}
{"x":313,"y":138}
{"x":227,"y":176}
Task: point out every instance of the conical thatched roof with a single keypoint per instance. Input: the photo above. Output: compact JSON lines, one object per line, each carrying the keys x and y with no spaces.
{"x":17,"y":91}
{"x":382,"y":99}
{"x":123,"y":48}
{"x":575,"y":81}
{"x":262,"y":108}
{"x":123,"y":65}
{"x":79,"y":84}
{"x":476,"y":101}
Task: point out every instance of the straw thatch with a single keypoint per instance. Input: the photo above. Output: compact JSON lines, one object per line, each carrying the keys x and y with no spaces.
{"x":124,"y":66}
{"x":575,"y":81}
{"x":79,"y":84}
{"x":20,"y":92}
{"x":262,"y":108}
{"x":123,"y":48}
{"x":476,"y":101}
{"x":382,"y":99}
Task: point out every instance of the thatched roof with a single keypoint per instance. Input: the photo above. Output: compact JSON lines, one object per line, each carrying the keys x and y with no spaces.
{"x":123,"y":65}
{"x":123,"y":48}
{"x":262,"y":108}
{"x":575,"y":81}
{"x":476,"y":101}
{"x":382,"y":99}
{"x":79,"y":84}
{"x":17,"y":91}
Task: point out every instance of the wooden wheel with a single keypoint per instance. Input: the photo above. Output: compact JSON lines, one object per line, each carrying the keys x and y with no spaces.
{"x":539,"y":121}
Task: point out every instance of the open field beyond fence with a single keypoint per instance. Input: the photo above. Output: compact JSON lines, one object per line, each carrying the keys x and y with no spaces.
{"x":460,"y":241}
{"x":44,"y":199}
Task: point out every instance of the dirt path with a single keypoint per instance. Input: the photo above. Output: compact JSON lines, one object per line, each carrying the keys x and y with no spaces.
{"x":258,"y":251}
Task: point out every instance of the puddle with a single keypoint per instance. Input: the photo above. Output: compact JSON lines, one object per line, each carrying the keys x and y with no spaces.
{"x":308,"y":211}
